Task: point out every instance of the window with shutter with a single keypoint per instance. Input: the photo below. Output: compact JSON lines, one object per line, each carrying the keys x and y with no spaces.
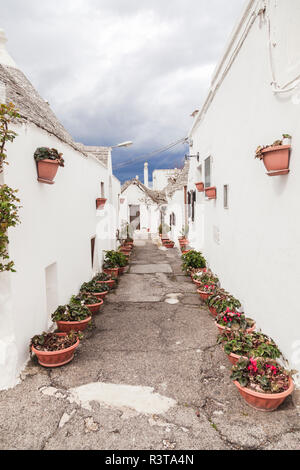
{"x":207,"y":172}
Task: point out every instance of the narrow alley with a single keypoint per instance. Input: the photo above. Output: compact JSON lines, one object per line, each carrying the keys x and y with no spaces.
{"x":147,"y":375}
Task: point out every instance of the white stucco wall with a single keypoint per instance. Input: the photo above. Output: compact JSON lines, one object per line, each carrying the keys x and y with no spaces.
{"x":57,"y":224}
{"x":149,"y":213}
{"x":160,"y":178}
{"x":254,"y":245}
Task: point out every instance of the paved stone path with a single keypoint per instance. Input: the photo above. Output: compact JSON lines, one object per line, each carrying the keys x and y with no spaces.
{"x":148,"y":376}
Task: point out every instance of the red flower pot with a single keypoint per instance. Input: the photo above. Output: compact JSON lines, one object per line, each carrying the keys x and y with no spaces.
{"x":55,"y":358}
{"x":213,"y":311}
{"x":222,"y":328}
{"x":47,"y":170}
{"x":67,"y":326}
{"x":121,"y":270}
{"x":211,"y":193}
{"x":277,"y":159}
{"x":185,"y":251}
{"x":169,"y":244}
{"x":100,"y":295}
{"x":94,"y":308}
{"x":110,"y":282}
{"x":183,"y":241}
{"x":111,"y":271}
{"x":100,"y":202}
{"x":200,"y":187}
{"x":203,"y":295}
{"x":264,"y":401}
{"x":234,"y":358}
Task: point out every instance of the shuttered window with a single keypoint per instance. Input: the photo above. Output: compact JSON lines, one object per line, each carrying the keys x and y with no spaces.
{"x":207,"y":172}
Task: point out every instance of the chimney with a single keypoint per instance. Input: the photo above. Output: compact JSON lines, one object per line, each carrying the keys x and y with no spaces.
{"x":5,"y":58}
{"x":146,"y":182}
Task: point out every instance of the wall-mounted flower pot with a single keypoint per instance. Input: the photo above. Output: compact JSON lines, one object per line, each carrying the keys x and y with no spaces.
{"x":264,"y":401}
{"x":46,"y":170}
{"x":211,"y":193}
{"x":55,"y":358}
{"x":100,"y":202}
{"x":200,"y":187}
{"x":67,"y":326}
{"x":122,"y":200}
{"x":277,"y":159}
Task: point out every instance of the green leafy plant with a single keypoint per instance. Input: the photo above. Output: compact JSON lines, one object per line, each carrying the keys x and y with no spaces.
{"x":84,"y":299}
{"x":248,"y":344}
{"x":193,"y":260}
{"x":101,"y":277}
{"x":53,"y":342}
{"x":114,"y":259}
{"x":260,"y":374}
{"x":71,"y":312}
{"x":206,"y":277}
{"x":234,"y":320}
{"x":45,"y":153}
{"x":9,"y":206}
{"x":222,"y":301}
{"x":93,"y":287}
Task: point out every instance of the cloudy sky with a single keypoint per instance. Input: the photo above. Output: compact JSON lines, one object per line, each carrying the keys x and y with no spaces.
{"x":118,"y":70}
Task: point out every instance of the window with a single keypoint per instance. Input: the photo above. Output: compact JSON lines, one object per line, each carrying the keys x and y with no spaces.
{"x":225,"y":196}
{"x":102,"y":189}
{"x":207,"y":172}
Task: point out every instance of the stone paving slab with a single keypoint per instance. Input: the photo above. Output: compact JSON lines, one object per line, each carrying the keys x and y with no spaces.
{"x":150,"y":269}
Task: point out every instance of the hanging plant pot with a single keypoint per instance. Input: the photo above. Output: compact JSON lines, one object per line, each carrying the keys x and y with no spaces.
{"x":47,"y":170}
{"x":100,"y":202}
{"x":264,"y":401}
{"x":111,"y":271}
{"x":211,"y":193}
{"x":94,"y":308}
{"x":55,"y":358}
{"x":200,"y":187}
{"x":277,"y":159}
{"x":67,"y":326}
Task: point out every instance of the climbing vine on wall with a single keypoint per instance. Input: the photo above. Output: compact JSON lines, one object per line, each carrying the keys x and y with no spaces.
{"x":9,"y":202}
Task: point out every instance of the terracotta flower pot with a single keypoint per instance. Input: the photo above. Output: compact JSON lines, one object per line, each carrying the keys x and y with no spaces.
{"x":110,"y":282}
{"x":233,"y":358}
{"x":122,"y":269}
{"x":100,"y":295}
{"x":223,"y":328}
{"x":277,"y":159}
{"x":47,"y":170}
{"x":185,"y":251}
{"x":203,"y":295}
{"x":183,"y":241}
{"x":211,"y":193}
{"x":67,"y":326}
{"x":100,"y":202}
{"x":94,"y":308}
{"x":111,"y":271}
{"x":55,"y":358}
{"x":264,"y":401}
{"x":213,"y":311}
{"x":200,"y":187}
{"x":169,"y":244}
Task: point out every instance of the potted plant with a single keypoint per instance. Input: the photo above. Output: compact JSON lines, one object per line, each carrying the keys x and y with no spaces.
{"x":255,"y":344}
{"x":103,"y":278}
{"x":276,"y":157}
{"x":201,"y":278}
{"x":47,"y":160}
{"x":233,"y":320}
{"x":200,"y":187}
{"x":211,"y":192}
{"x":88,"y":300}
{"x":206,"y":290}
{"x":110,"y":264}
{"x":54,"y":349}
{"x":100,"y":202}
{"x":92,"y":287}
{"x":122,"y":261}
{"x":168,"y":243}
{"x":193,"y":260}
{"x":183,"y":236}
{"x":263,"y":383}
{"x":71,"y":317}
{"x":221,"y":301}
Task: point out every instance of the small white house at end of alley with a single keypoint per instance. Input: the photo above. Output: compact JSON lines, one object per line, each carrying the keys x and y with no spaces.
{"x":248,"y":228}
{"x":61,"y":237}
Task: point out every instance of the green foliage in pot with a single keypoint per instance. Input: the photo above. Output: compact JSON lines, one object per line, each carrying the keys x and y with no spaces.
{"x":114,"y":259}
{"x":122,"y":260}
{"x":248,"y":344}
{"x":234,"y":320}
{"x":93,"y":287}
{"x":193,"y":260}
{"x":222,"y":300}
{"x":53,"y":342}
{"x":45,"y":153}
{"x":71,"y":312}
{"x":206,"y":278}
{"x":261,"y":375}
{"x":84,"y":299}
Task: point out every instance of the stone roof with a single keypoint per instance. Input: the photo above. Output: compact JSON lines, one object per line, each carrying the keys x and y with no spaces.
{"x":178,"y":180}
{"x":31,"y":106}
{"x":101,"y":153}
{"x":157,"y":196}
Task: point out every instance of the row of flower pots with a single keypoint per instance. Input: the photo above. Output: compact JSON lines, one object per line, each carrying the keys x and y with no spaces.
{"x":210,"y":193}
{"x":57,"y":348}
{"x":260,"y":379}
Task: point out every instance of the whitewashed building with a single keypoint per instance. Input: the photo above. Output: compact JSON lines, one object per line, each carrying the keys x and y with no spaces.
{"x":60,"y":241}
{"x":250,"y":234}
